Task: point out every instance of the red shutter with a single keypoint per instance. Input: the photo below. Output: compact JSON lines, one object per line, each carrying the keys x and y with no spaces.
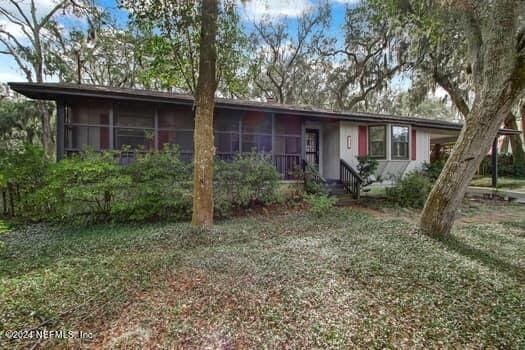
{"x":414,"y":143}
{"x":363,"y":141}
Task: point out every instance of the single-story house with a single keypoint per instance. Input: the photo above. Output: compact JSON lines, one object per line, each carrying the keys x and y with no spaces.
{"x":106,"y":118}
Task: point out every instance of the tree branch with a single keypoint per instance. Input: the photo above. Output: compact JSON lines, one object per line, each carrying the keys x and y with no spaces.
{"x":453,"y":91}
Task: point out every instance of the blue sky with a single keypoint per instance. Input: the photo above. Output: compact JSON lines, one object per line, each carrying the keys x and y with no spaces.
{"x":251,"y":11}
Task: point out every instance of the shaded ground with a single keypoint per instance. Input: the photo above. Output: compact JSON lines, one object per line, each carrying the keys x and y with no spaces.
{"x":515,"y":184}
{"x":357,"y":278}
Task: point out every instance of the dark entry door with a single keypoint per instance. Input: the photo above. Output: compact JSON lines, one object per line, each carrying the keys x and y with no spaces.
{"x":312,"y":146}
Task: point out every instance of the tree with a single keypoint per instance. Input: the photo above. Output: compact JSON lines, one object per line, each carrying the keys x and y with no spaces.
{"x":204,"y":147}
{"x":402,"y":103}
{"x":104,"y":54}
{"x":194,"y":47}
{"x":495,"y":37}
{"x":372,"y":54}
{"x":286,"y":59}
{"x":169,"y":32}
{"x":19,"y":122}
{"x":36,"y":34}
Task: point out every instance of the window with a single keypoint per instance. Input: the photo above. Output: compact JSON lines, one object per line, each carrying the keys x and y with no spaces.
{"x":377,"y":141}
{"x":399,"y":142}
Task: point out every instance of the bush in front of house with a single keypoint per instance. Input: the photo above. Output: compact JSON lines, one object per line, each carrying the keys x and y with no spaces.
{"x":87,"y":186}
{"x":93,"y":187}
{"x":22,"y":172}
{"x":367,"y":167}
{"x":411,"y":191}
{"x":250,"y":179}
{"x":433,"y":170}
{"x":161,"y":187}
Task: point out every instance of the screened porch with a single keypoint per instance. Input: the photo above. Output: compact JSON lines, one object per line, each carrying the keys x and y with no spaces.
{"x":133,"y":127}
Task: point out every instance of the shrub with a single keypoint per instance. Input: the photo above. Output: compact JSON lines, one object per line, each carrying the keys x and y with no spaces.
{"x":367,"y":167}
{"x":410,"y":191}
{"x":434,"y":169}
{"x":22,"y":172}
{"x":250,"y":179}
{"x":506,"y":166}
{"x":92,"y":186}
{"x":161,"y":187}
{"x":86,"y":185}
{"x":320,"y":205}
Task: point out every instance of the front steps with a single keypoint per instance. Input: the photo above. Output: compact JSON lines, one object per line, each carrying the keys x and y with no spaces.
{"x":336,"y":189}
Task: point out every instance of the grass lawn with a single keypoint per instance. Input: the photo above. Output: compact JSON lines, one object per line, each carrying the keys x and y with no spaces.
{"x":503,"y":183}
{"x":358,"y":278}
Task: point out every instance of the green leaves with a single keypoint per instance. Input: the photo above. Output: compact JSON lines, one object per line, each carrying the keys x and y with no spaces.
{"x":92,"y":186}
{"x":170,"y":35}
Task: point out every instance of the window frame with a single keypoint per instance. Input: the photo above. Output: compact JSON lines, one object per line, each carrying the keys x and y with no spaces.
{"x":392,"y":142}
{"x":385,"y":151}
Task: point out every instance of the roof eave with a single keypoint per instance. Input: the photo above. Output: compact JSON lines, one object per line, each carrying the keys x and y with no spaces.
{"x":56,"y":92}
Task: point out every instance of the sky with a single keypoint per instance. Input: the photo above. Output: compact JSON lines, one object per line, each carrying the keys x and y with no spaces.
{"x":251,"y":11}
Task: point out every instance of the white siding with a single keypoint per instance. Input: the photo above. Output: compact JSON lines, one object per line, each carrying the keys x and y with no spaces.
{"x":422,"y":151}
{"x":330,"y":151}
{"x":349,"y":154}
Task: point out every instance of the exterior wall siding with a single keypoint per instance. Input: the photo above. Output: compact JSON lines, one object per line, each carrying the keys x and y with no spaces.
{"x":349,"y":136}
{"x":331,"y":150}
{"x":387,"y":168}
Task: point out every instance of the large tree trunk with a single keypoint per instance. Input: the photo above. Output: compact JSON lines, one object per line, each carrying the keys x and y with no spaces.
{"x":203,"y":137}
{"x":471,"y":147}
{"x":496,"y":83}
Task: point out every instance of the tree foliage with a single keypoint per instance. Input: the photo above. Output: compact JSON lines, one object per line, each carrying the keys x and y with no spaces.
{"x":170,"y":32}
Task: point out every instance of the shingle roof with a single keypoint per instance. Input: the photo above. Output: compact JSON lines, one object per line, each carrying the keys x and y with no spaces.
{"x":55,"y":91}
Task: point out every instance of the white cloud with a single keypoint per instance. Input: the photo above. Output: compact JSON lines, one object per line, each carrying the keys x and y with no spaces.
{"x":256,"y":10}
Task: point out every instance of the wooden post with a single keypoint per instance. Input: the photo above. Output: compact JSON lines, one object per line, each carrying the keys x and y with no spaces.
{"x":156,"y":136}
{"x":61,"y":112}
{"x":240,"y":133}
{"x":111,"y":127}
{"x":273,"y":138}
{"x":495,"y":162}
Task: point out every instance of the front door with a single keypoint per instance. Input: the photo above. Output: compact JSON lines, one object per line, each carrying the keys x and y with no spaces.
{"x":312,"y":147}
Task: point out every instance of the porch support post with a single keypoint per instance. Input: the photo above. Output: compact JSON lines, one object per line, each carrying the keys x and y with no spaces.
{"x":111,"y":127}
{"x":495,"y":162}
{"x":240,"y":134}
{"x":156,"y":136}
{"x":303,"y":136}
{"x":61,"y":114}
{"x":273,"y":137}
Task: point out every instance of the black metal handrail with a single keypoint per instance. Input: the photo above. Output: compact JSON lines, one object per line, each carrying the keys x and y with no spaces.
{"x":311,"y":173}
{"x":350,"y":179}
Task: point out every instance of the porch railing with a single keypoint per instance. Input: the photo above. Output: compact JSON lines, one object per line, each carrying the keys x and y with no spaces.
{"x":287,"y":165}
{"x":311,"y":173}
{"x":350,"y":179}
